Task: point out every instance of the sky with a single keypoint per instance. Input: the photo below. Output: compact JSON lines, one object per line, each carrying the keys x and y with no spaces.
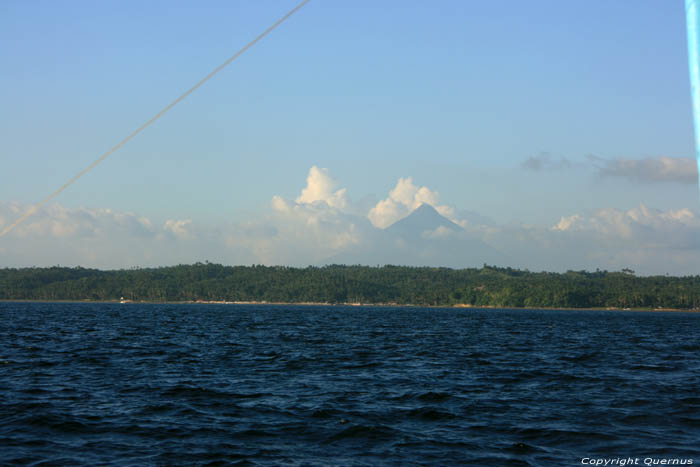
{"x":557,"y":133}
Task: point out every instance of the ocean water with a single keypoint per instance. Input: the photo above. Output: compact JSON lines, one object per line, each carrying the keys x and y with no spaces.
{"x":134,"y":384}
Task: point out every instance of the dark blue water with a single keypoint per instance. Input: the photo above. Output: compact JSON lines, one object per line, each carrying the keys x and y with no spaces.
{"x":91,"y":384}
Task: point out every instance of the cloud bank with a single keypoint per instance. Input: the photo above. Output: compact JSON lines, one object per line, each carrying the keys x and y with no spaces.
{"x":647,"y":240}
{"x":320,"y":226}
{"x":94,"y":238}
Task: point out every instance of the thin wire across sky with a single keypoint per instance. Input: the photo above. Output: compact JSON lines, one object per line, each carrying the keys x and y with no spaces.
{"x":162,"y":112}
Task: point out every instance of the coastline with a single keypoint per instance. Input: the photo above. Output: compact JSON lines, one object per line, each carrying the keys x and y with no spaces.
{"x":461,"y":306}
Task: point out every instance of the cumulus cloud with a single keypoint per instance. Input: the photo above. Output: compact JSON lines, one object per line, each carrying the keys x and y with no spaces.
{"x":319,"y":188}
{"x":657,"y":169}
{"x":314,"y":226}
{"x":568,"y":223}
{"x":178,"y":228}
{"x":403,"y":199}
{"x":319,"y":227}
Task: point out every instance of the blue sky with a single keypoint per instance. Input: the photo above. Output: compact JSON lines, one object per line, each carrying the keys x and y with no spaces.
{"x":523,"y":112}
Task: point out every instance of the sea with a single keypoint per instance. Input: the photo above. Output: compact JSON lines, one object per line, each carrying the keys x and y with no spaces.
{"x":286,"y":385}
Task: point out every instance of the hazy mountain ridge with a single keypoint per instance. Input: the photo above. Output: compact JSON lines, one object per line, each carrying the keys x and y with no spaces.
{"x":423,"y":238}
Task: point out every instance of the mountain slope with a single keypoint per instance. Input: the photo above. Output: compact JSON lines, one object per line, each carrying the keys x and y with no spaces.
{"x":424,"y":218}
{"x":423,"y":238}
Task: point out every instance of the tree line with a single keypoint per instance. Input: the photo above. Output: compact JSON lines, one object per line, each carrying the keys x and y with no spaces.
{"x":486,"y":286}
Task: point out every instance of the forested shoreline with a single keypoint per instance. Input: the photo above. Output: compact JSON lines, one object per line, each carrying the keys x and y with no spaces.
{"x":335,"y":284}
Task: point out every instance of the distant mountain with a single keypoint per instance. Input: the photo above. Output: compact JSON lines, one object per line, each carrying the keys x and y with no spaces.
{"x":424,"y":219}
{"x":423,"y":238}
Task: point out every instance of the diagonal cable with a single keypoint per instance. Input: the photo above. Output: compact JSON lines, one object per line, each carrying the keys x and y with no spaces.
{"x":165,"y":109}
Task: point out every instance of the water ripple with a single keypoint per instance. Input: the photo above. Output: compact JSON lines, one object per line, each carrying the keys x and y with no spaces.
{"x":92,"y":384}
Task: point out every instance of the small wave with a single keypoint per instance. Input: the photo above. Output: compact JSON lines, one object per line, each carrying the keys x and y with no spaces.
{"x":639,"y":419}
{"x":632,"y":403}
{"x":430,"y":414}
{"x":298,"y":391}
{"x":493,"y":460}
{"x":60,"y":424}
{"x":521,"y":448}
{"x":300,"y":363}
{"x":584,"y":357}
{"x":194,"y":392}
{"x":157,"y":409}
{"x":267,"y":356}
{"x":289,"y":337}
{"x":326,"y":413}
{"x":562,"y":436}
{"x":36,"y":391}
{"x":365,"y":432}
{"x":45,"y":364}
{"x":34,"y":444}
{"x":434,"y":396}
{"x":256,"y":433}
{"x":693,"y":422}
{"x":658,"y":368}
{"x":353,"y":366}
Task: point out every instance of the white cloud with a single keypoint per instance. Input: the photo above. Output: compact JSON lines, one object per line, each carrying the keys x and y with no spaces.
{"x":92,"y":237}
{"x":60,"y":222}
{"x":311,"y":228}
{"x":644,"y":226}
{"x":404,"y":198}
{"x":386,"y":212}
{"x":281,"y":205}
{"x":567,"y":223}
{"x":319,"y":188}
{"x":648,"y":240}
{"x":179,"y":229}
{"x":294,"y":232}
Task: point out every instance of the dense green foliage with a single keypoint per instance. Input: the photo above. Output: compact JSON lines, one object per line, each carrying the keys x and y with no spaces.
{"x":488,"y":286}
